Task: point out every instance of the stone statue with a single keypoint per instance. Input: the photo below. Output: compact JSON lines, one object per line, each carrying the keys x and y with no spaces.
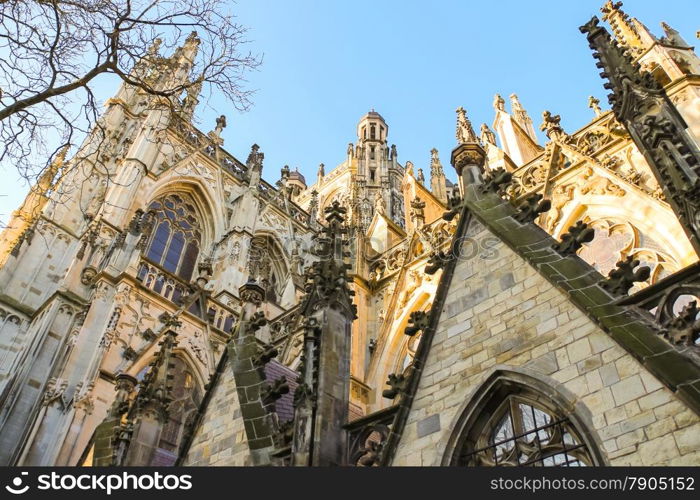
{"x":409,"y":167}
{"x":594,"y":104}
{"x":379,"y":205}
{"x":220,"y":124}
{"x":254,"y":163}
{"x":421,"y":176}
{"x":550,"y":126}
{"x":418,"y":211}
{"x":434,"y":159}
{"x":487,"y":136}
{"x":393,"y":152}
{"x":465,"y":133}
{"x":499,"y":103}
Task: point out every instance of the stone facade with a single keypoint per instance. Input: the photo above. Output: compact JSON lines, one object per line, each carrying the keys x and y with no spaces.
{"x":220,"y":438}
{"x":173,"y":307}
{"x":502,"y":316}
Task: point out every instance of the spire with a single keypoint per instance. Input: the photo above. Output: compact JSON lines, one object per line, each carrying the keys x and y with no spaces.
{"x":438,"y":185}
{"x":619,"y":68}
{"x":435,"y":165}
{"x":321,"y":398}
{"x":148,"y":60}
{"x":625,"y":31}
{"x":153,"y":397}
{"x":465,"y":132}
{"x":521,"y":117}
{"x":655,"y":125}
{"x":673,"y":37}
{"x":191,"y":99}
{"x":487,"y":135}
{"x":189,"y":49}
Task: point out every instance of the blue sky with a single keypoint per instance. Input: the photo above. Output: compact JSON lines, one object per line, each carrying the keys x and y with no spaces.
{"x":326,"y":63}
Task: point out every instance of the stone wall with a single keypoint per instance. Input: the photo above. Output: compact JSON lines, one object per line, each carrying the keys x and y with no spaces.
{"x":500,"y":314}
{"x":220,"y":438}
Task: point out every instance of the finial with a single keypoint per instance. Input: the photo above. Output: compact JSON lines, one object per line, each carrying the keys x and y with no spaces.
{"x":61,"y":156}
{"x":465,"y":133}
{"x":515,"y":102}
{"x":498,"y":103}
{"x":594,"y":104}
{"x":624,"y":30}
{"x":434,"y":155}
{"x":192,"y":38}
{"x":551,"y":127}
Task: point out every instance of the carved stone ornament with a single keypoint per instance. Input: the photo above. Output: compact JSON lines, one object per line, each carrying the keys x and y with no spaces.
{"x":417,"y":322}
{"x":436,"y":262}
{"x":454,"y":205}
{"x":574,"y":239}
{"x":87,"y":276}
{"x":257,"y":321}
{"x":251,"y":292}
{"x":624,"y":276}
{"x":496,"y":181}
{"x":640,"y":103}
{"x":274,"y":391}
{"x":684,"y":329}
{"x":265,"y":355}
{"x":397,"y":384}
{"x":531,"y":207}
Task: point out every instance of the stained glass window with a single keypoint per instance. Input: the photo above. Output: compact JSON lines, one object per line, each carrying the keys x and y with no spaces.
{"x":176,"y":238}
{"x":523,"y":432}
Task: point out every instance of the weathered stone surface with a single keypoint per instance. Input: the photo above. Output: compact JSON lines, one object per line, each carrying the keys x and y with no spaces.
{"x":428,"y":425}
{"x":548,"y":337}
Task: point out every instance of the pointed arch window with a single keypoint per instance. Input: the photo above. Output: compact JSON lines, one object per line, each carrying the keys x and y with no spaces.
{"x":176,"y":238}
{"x":186,"y":396}
{"x":519,"y":425}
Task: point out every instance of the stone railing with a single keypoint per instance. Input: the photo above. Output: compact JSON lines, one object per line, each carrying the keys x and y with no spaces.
{"x":672,"y":303}
{"x":198,"y":140}
{"x":284,"y":325}
{"x":161,"y":281}
{"x":367,"y":436}
{"x":171,"y":287}
{"x":276,"y":197}
{"x":219,"y":316}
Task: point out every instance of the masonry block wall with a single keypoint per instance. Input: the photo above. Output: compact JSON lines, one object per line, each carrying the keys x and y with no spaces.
{"x":501,"y":314}
{"x":220,"y":438}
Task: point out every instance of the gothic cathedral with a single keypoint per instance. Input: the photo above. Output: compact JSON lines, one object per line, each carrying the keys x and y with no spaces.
{"x":163,"y":304}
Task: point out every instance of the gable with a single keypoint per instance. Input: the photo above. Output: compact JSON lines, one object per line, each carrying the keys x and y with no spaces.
{"x":501,"y":314}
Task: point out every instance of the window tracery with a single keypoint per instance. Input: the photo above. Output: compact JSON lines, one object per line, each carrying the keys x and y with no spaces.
{"x":615,"y":240}
{"x":525,"y":429}
{"x":176,"y":238}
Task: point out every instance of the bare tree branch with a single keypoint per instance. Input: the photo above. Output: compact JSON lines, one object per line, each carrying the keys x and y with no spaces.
{"x":53,"y":53}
